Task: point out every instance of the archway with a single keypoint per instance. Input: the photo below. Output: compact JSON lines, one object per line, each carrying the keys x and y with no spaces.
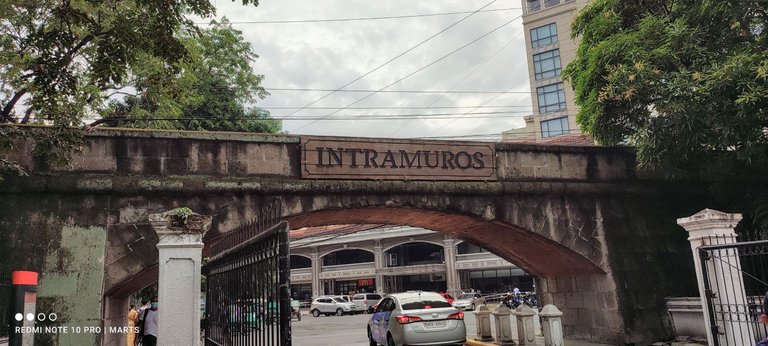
{"x":535,"y":254}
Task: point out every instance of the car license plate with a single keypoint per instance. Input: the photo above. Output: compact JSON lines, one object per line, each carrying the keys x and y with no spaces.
{"x":435,"y":324}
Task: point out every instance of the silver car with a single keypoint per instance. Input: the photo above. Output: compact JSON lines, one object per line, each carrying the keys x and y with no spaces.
{"x":368,"y":300}
{"x":416,"y":318}
{"x":328,"y":305}
{"x":468,"y":301}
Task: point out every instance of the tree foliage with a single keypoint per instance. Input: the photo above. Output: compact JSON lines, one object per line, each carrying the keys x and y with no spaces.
{"x":685,"y":81}
{"x":682,"y":80}
{"x":60,"y":59}
{"x":207,"y":91}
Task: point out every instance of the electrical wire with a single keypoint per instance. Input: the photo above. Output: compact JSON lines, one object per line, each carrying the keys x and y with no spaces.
{"x":396,"y":57}
{"x":418,"y":70}
{"x":400,"y":91}
{"x":292,"y":21}
{"x":477,"y":67}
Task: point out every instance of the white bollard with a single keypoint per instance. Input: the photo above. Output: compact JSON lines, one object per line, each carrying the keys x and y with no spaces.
{"x":525,"y":329}
{"x":503,"y":323}
{"x":483,"y":316}
{"x":551,"y":321}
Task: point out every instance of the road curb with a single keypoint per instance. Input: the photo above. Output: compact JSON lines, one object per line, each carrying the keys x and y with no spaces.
{"x":473,"y":342}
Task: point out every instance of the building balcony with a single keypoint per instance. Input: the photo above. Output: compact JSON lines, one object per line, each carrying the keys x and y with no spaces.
{"x":301,"y":275}
{"x":346,"y":271}
{"x":414,"y":269}
{"x":481,"y":260}
{"x":532,"y":6}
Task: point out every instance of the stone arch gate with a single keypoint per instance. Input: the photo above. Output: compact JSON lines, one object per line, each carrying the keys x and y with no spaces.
{"x":600,"y":237}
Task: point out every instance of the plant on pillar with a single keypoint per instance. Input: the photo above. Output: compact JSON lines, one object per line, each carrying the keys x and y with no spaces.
{"x":186,"y":218}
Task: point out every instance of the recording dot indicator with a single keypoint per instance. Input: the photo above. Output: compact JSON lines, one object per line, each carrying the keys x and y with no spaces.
{"x":30,"y":317}
{"x":19,"y":317}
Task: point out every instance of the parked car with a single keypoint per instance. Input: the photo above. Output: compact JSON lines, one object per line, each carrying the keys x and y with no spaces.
{"x":368,"y":300}
{"x":357,"y":306}
{"x":328,"y":305}
{"x":447,"y":297}
{"x":416,"y":318}
{"x":468,"y":301}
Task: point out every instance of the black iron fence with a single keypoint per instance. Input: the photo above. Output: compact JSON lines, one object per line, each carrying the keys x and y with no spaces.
{"x":247,"y":285}
{"x":735,"y":278}
{"x":6,"y":306}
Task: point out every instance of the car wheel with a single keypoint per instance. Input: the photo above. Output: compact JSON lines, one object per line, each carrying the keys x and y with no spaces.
{"x":390,"y":340}
{"x":370,"y":339}
{"x":339,"y":312}
{"x":316,"y":313}
{"x":472,"y":307}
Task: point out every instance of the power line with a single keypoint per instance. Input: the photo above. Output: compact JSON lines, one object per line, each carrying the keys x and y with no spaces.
{"x":396,"y":57}
{"x":477,"y":67}
{"x":292,"y":21}
{"x":400,"y":91}
{"x":420,"y":69}
{"x":484,"y":103}
{"x":399,"y":107}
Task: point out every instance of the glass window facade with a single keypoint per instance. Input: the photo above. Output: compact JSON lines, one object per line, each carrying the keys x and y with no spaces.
{"x":547,"y":64}
{"x":544,"y":35}
{"x":551,"y":98}
{"x":554,"y":127}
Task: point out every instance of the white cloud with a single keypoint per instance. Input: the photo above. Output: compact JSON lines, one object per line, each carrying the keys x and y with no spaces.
{"x":329,"y":55}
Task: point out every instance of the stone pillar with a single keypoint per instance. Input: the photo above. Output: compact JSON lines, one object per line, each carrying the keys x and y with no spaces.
{"x":315,"y":258}
{"x":378,"y":263}
{"x":503,"y":323}
{"x":483,"y":317}
{"x":180,"y":256}
{"x":703,"y":227}
{"x":449,"y":254}
{"x":526,"y":332}
{"x":553,"y":327}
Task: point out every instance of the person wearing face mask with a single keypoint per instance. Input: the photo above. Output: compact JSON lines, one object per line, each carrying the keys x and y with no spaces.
{"x":149,"y":325}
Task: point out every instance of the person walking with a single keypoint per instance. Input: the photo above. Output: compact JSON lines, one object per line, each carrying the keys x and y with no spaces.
{"x":142,"y":312}
{"x":150,"y":325}
{"x":133,"y":320}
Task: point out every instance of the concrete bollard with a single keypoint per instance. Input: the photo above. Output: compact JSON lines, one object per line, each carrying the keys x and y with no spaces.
{"x":552,"y":324}
{"x":483,"y":316}
{"x":525,"y":330}
{"x":503,"y":326}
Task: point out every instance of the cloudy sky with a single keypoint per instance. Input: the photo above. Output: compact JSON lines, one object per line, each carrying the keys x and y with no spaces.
{"x":329,"y":55}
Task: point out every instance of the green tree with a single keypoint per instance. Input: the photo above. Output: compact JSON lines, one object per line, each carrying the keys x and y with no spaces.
{"x":685,"y":81}
{"x":207,"y":91}
{"x":59,"y":60}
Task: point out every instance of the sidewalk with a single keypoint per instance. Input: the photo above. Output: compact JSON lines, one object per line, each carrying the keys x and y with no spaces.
{"x":539,"y":341}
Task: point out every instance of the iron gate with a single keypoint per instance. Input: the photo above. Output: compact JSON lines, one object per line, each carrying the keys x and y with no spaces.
{"x":735,"y":278}
{"x":247,"y":285}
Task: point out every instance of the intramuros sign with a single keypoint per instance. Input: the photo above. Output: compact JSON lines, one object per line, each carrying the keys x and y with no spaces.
{"x":363,"y":158}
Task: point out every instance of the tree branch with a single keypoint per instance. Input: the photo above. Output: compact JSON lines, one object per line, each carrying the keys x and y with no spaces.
{"x":27,"y":114}
{"x":6,"y":112}
{"x":106,"y":120}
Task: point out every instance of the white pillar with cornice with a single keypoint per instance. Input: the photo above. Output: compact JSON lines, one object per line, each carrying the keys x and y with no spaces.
{"x":449,"y":254}
{"x":315,"y":258}
{"x":378,"y":262}
{"x":180,"y":258}
{"x":712,"y":227}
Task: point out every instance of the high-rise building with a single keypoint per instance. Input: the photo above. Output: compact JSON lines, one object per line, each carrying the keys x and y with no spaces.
{"x":549,"y":48}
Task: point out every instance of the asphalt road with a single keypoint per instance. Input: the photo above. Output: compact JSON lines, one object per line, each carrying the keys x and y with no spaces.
{"x":343,"y":330}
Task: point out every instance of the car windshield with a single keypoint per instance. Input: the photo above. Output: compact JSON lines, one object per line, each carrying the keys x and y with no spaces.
{"x":466,"y":296}
{"x":423,"y":302}
{"x":339,"y":300}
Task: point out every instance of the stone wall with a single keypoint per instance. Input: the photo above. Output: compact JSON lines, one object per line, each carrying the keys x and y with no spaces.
{"x":601,"y":237}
